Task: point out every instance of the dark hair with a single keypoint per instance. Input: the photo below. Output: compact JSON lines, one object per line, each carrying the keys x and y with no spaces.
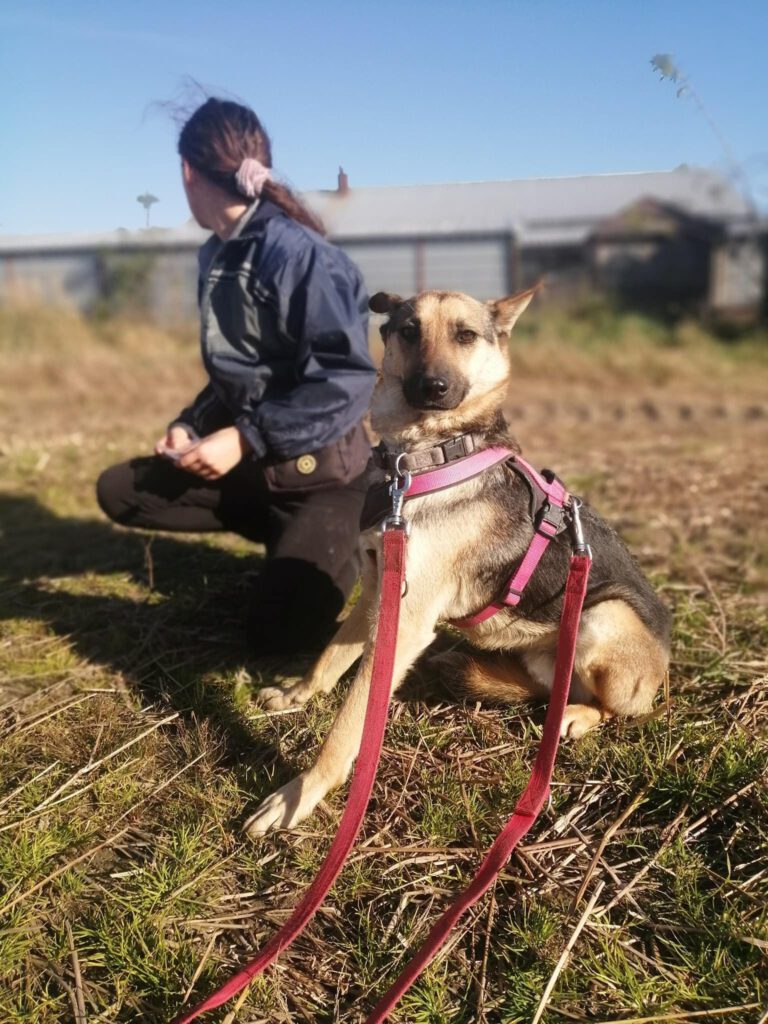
{"x":219,"y":136}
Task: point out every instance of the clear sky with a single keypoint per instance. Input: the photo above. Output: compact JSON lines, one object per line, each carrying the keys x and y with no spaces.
{"x":398,"y":92}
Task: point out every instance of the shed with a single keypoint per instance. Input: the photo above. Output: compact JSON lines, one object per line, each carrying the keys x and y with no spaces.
{"x":490,"y":238}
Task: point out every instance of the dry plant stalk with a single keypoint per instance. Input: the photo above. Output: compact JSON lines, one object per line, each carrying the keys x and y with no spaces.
{"x":565,"y":955}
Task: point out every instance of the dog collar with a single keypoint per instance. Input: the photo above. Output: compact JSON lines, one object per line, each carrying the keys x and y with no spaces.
{"x":378,"y":498}
{"x":540,"y":485}
{"x":455,"y":448}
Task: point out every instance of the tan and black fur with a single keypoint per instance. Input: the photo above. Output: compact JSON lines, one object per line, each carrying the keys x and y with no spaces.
{"x":446,"y":372}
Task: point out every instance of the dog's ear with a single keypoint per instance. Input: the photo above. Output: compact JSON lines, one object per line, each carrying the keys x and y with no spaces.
{"x":505,"y":312}
{"x":382,"y":302}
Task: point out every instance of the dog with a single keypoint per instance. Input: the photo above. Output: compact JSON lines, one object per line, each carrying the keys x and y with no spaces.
{"x":445,"y":375}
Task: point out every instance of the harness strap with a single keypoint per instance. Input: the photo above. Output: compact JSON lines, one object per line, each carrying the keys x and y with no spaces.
{"x":457,"y":472}
{"x":528,"y":806}
{"x":515,"y":586}
{"x":554,"y":488}
{"x":550,"y":522}
{"x":393,"y":574}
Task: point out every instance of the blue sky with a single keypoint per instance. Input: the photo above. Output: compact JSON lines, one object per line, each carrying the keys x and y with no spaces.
{"x":397,"y":92}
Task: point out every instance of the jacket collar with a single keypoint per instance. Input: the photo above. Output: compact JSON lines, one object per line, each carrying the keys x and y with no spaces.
{"x":245,"y":220}
{"x":255,"y":217}
{"x":250,"y":225}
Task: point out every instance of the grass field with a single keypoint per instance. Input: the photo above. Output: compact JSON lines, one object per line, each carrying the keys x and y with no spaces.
{"x":131,"y":748}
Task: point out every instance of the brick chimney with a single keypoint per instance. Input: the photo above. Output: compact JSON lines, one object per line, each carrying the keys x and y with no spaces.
{"x":343,"y":184}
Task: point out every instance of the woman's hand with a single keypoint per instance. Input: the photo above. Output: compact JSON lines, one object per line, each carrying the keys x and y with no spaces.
{"x":215,"y":455}
{"x":177,"y":438}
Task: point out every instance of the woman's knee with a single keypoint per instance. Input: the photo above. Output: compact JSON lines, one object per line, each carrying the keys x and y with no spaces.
{"x":113,"y":489}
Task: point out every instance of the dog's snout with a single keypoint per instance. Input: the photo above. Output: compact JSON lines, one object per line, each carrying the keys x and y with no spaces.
{"x":434,"y":387}
{"x":434,"y":390}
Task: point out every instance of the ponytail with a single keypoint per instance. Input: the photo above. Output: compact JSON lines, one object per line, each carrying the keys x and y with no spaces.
{"x":219,"y":136}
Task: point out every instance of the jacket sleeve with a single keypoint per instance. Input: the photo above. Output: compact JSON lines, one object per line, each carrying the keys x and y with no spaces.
{"x":206,"y":414}
{"x":317,"y":382}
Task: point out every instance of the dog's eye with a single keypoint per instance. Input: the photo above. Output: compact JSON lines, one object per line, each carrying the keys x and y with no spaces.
{"x":409,"y":332}
{"x":466,"y":337}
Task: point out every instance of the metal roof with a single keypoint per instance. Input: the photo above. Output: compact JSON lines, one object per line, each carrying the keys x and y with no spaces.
{"x":189,"y":234}
{"x":540,"y":211}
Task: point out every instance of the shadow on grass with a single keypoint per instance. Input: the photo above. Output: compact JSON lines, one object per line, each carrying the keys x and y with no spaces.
{"x":161,"y":611}
{"x":178,"y":643}
{"x":174,"y":610}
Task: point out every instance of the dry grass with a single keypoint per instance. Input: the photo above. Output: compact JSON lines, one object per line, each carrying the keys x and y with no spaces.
{"x":132,"y":751}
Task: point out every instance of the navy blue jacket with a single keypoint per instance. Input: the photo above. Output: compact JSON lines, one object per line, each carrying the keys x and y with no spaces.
{"x":284,"y":338}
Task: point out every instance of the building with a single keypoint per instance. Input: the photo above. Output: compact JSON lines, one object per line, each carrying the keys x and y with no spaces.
{"x":657,"y":257}
{"x":485,"y":238}
{"x":493,"y":238}
{"x":155,"y":270}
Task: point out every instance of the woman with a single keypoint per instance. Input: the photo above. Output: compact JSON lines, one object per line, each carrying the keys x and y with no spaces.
{"x":273,"y":448}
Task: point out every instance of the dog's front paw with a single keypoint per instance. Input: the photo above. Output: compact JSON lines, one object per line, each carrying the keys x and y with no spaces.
{"x":277,"y":698}
{"x":578,"y":719}
{"x":283,"y":809}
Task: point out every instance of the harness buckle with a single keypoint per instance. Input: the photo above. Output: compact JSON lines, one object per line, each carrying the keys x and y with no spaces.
{"x":454,"y":449}
{"x":550,"y":519}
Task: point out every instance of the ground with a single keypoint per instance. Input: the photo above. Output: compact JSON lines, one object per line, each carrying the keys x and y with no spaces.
{"x":132,"y":750}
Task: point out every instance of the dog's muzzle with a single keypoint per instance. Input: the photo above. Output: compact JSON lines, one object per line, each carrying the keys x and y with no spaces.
{"x":438,"y":391}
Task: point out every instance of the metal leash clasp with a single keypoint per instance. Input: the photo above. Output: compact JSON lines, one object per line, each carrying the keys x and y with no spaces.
{"x":401,"y":481}
{"x":580,"y":545}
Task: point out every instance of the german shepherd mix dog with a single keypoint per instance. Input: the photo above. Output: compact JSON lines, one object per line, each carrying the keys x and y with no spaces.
{"x":443,"y":381}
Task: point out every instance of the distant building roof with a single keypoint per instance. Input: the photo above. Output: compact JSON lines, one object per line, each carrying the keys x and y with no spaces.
{"x":147,"y":238}
{"x":649,"y":217}
{"x":540,"y":211}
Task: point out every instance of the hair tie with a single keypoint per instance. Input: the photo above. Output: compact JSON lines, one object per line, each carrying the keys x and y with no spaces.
{"x":251,"y":176}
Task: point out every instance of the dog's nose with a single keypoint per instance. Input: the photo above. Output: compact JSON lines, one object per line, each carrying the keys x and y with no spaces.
{"x":433,"y":387}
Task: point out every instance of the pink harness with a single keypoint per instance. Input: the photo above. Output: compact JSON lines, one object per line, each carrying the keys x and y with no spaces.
{"x":547,"y":524}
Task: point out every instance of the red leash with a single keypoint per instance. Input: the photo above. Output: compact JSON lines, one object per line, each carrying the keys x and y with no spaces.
{"x":528,"y":807}
{"x":529,"y":804}
{"x":393,"y":574}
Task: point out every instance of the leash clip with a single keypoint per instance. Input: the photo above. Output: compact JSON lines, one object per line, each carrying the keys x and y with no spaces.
{"x":401,"y":481}
{"x":580,"y":546}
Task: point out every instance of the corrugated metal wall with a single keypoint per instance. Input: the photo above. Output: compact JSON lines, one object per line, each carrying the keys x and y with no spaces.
{"x":385,"y":266}
{"x":484,"y":266}
{"x":475,"y":266}
{"x":69,"y":278}
{"x":478,"y":266}
{"x":77,"y":278}
{"x":173,"y":285}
